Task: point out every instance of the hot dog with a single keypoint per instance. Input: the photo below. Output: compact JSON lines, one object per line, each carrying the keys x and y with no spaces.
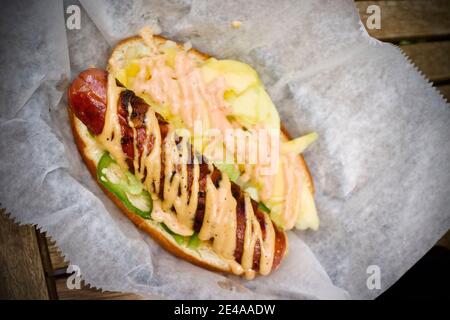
{"x":196,"y":210}
{"x":88,"y":103}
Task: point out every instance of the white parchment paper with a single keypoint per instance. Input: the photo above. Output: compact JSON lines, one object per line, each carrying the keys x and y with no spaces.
{"x":381,"y":165}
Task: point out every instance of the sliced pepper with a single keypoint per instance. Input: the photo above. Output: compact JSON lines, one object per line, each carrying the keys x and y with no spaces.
{"x":194,"y":241}
{"x":263,"y":207}
{"x":181,"y":240}
{"x":124,"y":186}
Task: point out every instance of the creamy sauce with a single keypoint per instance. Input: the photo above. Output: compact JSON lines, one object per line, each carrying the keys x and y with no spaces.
{"x":176,"y":189}
{"x":146,"y":34}
{"x":94,"y":150}
{"x":289,"y":202}
{"x":180,"y":86}
{"x":184,"y":90}
{"x":178,"y":207}
{"x":169,"y":219}
{"x":292,"y":186}
{"x":220,"y":221}
{"x":111,"y":135}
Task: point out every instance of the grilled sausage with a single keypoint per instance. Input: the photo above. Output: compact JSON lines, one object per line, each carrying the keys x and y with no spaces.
{"x":87,"y":97}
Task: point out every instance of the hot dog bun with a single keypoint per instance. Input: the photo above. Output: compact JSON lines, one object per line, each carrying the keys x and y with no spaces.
{"x":203,"y":256}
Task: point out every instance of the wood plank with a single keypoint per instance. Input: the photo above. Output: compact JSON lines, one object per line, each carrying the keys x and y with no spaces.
{"x":445,"y":240}
{"x":445,"y":90}
{"x":413,"y":19}
{"x":432,"y":58}
{"x":59,"y":267}
{"x":57,"y":260}
{"x":21,"y":272}
{"x":47,"y":264}
{"x":86,"y":293}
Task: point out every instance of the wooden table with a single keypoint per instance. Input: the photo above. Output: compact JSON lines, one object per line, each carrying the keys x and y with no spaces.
{"x":31,"y":267}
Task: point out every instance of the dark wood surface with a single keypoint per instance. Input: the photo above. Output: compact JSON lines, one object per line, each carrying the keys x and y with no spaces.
{"x":31,"y":266}
{"x":432,"y":58}
{"x":22,"y":274}
{"x":445,"y":90}
{"x":410,"y":19}
{"x":86,"y":293}
{"x":422,"y":30}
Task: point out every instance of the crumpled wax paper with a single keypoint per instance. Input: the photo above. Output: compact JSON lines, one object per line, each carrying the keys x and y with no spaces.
{"x":381,"y":166}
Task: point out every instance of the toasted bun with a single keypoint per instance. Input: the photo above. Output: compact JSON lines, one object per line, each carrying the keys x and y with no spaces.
{"x":118,"y":55}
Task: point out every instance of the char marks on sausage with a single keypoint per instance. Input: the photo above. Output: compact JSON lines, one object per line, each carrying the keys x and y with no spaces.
{"x":87,"y":97}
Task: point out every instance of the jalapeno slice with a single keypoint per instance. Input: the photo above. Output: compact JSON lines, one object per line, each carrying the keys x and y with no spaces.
{"x":124,"y":186}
